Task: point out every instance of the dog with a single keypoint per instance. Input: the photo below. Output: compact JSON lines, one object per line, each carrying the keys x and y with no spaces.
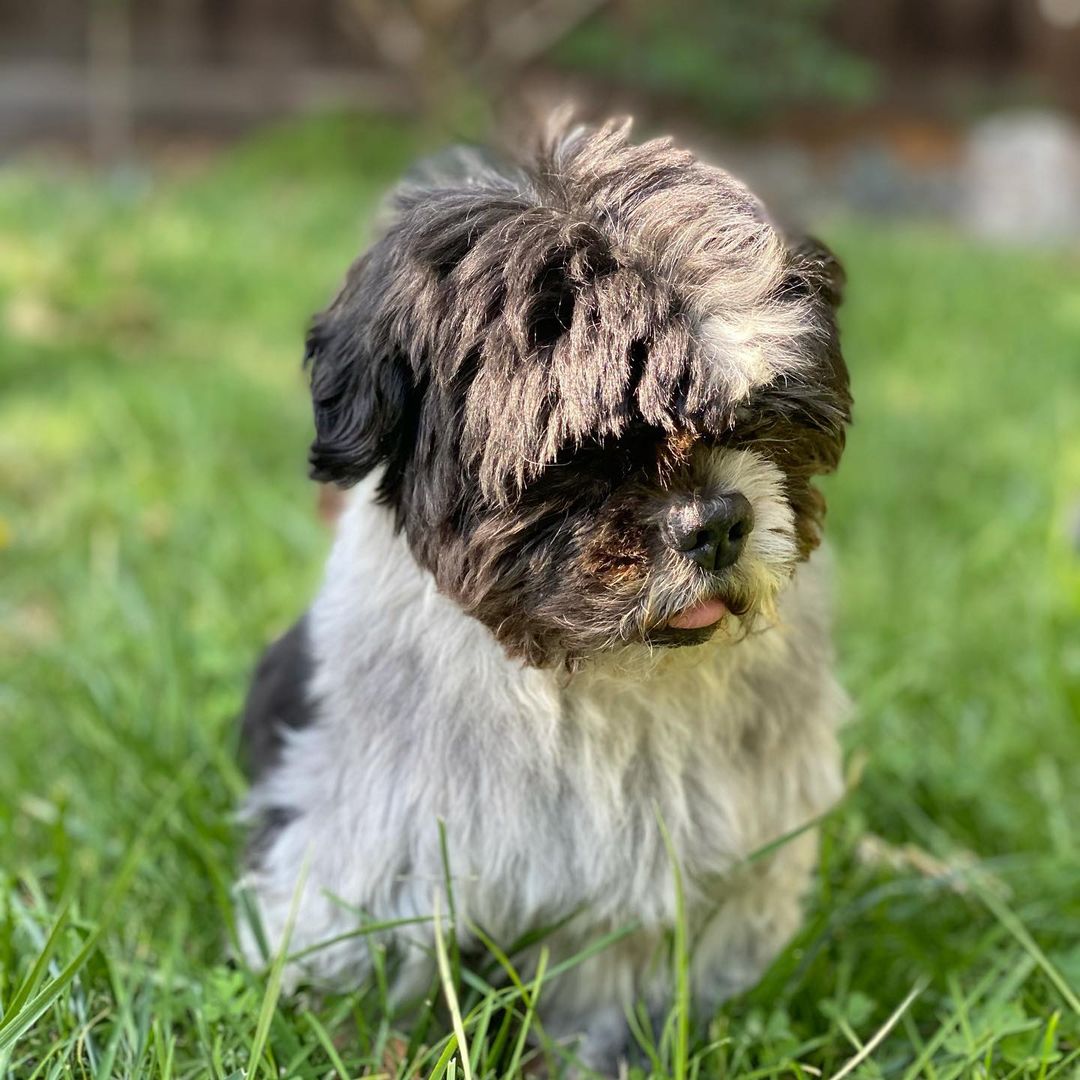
{"x":573,"y":633}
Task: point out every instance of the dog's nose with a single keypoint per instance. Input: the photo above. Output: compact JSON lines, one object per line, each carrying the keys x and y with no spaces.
{"x":715,"y":538}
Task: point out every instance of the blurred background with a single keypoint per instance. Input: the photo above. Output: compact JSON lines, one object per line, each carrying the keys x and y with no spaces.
{"x":183,"y":182}
{"x":962,"y":109}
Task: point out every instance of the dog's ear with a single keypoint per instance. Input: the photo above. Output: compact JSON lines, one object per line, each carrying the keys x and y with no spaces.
{"x":361,"y":387}
{"x":816,"y":269}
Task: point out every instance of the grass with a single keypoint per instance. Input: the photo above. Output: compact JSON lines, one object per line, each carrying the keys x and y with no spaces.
{"x":156,"y":526}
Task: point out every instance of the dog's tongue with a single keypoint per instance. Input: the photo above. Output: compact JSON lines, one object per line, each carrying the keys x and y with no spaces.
{"x":699,"y":615}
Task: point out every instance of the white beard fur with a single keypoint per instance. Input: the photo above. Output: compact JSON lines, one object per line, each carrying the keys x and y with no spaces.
{"x":551,"y":788}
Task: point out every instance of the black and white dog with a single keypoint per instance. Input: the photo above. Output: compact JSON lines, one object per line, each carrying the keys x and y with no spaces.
{"x":574,"y":593}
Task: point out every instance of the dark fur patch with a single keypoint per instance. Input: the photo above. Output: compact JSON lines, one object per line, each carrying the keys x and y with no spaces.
{"x":277,"y":699}
{"x":800,"y":421}
{"x":261,"y":837}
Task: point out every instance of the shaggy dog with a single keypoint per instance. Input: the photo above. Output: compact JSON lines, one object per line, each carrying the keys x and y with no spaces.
{"x":573,"y":611}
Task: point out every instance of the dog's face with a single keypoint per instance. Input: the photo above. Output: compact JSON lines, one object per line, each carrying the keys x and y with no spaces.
{"x":599,"y":387}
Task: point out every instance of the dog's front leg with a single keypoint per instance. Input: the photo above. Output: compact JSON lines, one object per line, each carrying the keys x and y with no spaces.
{"x":748,"y":928}
{"x":585,"y":1009}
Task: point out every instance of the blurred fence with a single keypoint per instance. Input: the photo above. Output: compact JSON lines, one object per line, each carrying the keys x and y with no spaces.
{"x":102,"y":67}
{"x":69,"y":67}
{"x":1037,"y":41}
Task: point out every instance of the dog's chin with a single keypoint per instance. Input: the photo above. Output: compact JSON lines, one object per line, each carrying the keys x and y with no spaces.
{"x":698,"y":622}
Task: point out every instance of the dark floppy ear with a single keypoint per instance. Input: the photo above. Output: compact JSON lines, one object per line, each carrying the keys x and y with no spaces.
{"x":816,"y":273}
{"x":361,"y":390}
{"x":817,"y":269}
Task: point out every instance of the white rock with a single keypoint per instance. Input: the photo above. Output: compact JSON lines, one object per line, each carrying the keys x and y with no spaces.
{"x":1021,"y":179}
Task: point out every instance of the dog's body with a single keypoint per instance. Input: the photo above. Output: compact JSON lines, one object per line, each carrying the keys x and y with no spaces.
{"x":492,"y":647}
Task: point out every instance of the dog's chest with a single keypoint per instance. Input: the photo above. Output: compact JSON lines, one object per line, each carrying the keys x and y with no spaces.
{"x":593,"y":814}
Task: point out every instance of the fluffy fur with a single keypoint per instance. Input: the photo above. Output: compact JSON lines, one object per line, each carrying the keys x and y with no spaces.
{"x":539,"y":372}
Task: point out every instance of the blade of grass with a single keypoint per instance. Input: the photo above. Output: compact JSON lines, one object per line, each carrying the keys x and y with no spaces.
{"x":37,"y":972}
{"x":1016,"y":976}
{"x":451,"y":994}
{"x":1011,"y":921}
{"x":275,"y":979}
{"x":366,"y":930}
{"x":448,"y":884}
{"x":1048,"y":1043}
{"x":14,"y":1026}
{"x":20,"y":1023}
{"x":530,"y":1013}
{"x":480,"y":1030}
{"x":873,"y":1042}
{"x":638,"y":1022}
{"x":681,"y":1009}
{"x":440,"y":1067}
{"x":327,"y":1044}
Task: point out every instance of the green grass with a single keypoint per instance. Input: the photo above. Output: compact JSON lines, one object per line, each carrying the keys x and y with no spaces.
{"x":156,"y":526}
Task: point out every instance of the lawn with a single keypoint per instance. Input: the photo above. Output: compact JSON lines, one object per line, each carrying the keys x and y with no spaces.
{"x":156,"y":526}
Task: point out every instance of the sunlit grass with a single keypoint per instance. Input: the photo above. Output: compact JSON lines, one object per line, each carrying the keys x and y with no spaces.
{"x":156,"y":527}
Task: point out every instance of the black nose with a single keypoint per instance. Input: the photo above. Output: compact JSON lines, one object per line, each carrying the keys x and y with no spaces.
{"x":715,"y":538}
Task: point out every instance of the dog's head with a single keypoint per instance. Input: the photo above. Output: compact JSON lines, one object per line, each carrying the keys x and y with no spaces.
{"x":598,"y":385}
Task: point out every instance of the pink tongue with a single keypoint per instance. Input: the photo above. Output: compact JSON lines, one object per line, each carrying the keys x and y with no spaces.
{"x":704,"y":614}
